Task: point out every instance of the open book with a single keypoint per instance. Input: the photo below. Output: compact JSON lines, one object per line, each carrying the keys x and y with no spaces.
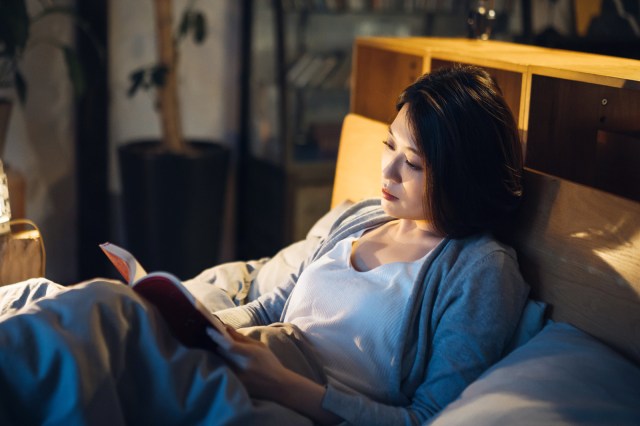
{"x":187,"y":317}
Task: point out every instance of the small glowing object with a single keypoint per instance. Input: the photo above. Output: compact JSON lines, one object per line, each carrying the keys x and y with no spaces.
{"x":5,"y":209}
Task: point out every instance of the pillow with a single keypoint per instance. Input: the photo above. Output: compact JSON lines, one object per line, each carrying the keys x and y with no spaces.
{"x":562,"y":376}
{"x":531,"y":322}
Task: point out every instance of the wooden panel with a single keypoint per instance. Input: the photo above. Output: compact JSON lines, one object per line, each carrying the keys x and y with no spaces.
{"x":358,"y":173}
{"x":379,"y":77}
{"x":590,"y":68}
{"x":510,"y":83}
{"x":586,"y":68}
{"x":579,"y":248}
{"x":564,"y":120}
{"x":617,"y":168}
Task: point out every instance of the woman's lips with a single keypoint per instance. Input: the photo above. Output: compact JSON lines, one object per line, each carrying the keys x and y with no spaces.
{"x":387,"y":196}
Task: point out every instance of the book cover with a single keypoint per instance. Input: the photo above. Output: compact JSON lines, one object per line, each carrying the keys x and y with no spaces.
{"x":187,"y":318}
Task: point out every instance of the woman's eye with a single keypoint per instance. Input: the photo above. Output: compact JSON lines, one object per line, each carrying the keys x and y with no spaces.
{"x":388,"y":144}
{"x":412,"y":165}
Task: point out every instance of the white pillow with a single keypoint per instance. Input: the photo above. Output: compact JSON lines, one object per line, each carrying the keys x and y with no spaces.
{"x":562,"y":376}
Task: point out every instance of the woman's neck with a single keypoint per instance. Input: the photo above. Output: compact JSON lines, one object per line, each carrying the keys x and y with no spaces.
{"x":409,"y":230}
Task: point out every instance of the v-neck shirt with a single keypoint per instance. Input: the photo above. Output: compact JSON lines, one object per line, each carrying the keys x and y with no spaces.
{"x":355,"y":319}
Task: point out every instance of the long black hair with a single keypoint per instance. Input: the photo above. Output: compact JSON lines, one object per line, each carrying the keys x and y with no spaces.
{"x":469,"y":141}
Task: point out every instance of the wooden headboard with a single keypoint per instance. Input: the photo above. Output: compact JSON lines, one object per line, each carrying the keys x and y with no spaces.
{"x":579,"y":248}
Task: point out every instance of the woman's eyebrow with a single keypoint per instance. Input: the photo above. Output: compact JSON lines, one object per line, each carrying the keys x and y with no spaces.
{"x":410,"y":148}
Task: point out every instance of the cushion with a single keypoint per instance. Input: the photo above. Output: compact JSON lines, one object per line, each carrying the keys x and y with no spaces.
{"x":562,"y":376}
{"x":531,"y":322}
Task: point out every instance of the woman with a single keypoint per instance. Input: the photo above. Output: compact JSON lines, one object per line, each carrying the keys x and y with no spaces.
{"x":406,"y":302}
{"x":410,"y":298}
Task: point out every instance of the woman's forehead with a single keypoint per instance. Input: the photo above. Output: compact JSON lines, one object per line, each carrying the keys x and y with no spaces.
{"x":401,"y":131}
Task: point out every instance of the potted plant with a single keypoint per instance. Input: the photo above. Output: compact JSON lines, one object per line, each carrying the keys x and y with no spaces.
{"x":173,"y":189}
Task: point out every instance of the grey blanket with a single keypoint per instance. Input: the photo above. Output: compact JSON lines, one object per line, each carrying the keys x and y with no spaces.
{"x":96,"y":354}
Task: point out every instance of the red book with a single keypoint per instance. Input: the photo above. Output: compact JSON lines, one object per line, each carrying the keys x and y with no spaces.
{"x":187,"y":318}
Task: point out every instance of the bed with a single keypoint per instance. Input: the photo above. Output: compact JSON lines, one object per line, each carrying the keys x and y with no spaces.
{"x":577,"y":364}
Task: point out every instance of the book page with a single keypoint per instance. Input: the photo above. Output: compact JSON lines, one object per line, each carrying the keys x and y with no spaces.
{"x":125,"y":262}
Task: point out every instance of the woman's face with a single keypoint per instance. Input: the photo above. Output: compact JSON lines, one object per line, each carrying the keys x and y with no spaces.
{"x":403,"y":172}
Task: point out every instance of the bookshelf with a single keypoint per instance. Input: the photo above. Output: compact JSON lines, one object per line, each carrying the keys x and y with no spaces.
{"x":299,"y":84}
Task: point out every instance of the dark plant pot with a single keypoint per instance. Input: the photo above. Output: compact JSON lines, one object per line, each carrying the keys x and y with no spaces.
{"x":173,"y":205}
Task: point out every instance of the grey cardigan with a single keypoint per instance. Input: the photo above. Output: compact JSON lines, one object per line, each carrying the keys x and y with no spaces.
{"x":465,"y":313}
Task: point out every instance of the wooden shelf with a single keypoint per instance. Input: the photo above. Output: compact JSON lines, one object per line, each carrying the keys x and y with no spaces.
{"x":574,"y":110}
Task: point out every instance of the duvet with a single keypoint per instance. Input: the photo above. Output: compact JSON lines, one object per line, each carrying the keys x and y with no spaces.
{"x":95,"y":353}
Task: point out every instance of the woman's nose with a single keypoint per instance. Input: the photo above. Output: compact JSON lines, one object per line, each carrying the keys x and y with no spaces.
{"x":390,"y":169}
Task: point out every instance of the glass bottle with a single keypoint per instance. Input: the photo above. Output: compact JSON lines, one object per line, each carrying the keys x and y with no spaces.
{"x":481,"y":19}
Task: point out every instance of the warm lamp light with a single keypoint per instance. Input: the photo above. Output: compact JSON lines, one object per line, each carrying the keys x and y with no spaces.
{"x":5,"y":208}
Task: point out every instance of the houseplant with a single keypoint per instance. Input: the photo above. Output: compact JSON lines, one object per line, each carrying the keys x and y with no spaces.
{"x":173,"y":189}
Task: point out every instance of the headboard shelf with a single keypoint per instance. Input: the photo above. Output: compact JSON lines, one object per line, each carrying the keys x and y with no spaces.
{"x":559,"y":98}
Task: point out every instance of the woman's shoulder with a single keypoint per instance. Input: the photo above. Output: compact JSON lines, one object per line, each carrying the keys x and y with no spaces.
{"x":362,"y":212}
{"x":361,"y":215}
{"x":480,"y":259}
{"x":482,"y":244}
{"x":478,"y":252}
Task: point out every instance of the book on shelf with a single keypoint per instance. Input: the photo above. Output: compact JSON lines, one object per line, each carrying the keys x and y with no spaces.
{"x":188,"y":319}
{"x":304,"y":78}
{"x":328,"y":64}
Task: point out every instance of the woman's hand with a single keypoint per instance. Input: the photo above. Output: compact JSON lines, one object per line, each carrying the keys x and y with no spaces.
{"x":257,"y":367}
{"x":265,"y":377}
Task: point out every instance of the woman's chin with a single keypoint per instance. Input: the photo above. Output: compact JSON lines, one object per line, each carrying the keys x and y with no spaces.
{"x":388,"y":207}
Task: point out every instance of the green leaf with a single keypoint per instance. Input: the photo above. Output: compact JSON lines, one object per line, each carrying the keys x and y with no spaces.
{"x":21,"y":86}
{"x":75,"y":70}
{"x":183,"y":28}
{"x":136,"y":78}
{"x":200,"y":27}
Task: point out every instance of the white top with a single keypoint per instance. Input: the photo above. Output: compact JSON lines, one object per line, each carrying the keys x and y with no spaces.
{"x":353,"y":319}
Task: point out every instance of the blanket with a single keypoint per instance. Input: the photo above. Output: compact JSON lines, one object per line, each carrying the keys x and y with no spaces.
{"x":96,"y":353}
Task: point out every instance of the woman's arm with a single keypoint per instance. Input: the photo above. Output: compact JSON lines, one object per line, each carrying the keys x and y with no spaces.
{"x":265,"y":310}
